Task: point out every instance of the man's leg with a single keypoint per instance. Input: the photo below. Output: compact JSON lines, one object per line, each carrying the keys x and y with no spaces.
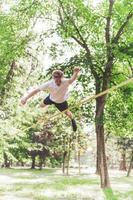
{"x":46,"y":102}
{"x":63,"y":107}
{"x":70,"y":115}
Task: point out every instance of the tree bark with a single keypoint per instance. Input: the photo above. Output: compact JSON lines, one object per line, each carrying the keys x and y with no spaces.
{"x":130,"y":165}
{"x":22,"y":163}
{"x":42,"y":160}
{"x":79,"y":164}
{"x":64,"y":161}
{"x":6,"y":161}
{"x":8,"y":79}
{"x":123,"y":161}
{"x":33,"y":161}
{"x":101,"y":154}
{"x":40,"y":163}
{"x":68,"y":162}
{"x":98,"y":152}
{"x":98,"y":84}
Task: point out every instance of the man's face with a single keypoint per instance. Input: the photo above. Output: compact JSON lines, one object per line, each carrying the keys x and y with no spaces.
{"x":57,"y":79}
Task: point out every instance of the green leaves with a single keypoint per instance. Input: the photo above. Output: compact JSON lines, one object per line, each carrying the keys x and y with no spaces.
{"x":119,"y":112}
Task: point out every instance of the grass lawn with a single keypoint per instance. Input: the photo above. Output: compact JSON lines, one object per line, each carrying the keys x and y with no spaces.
{"x":50,"y":184}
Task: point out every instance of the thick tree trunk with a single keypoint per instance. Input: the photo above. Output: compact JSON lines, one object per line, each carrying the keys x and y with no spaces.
{"x":98,"y":152}
{"x":33,"y":162}
{"x":101,"y":155}
{"x":130,"y":165}
{"x":123,"y":166}
{"x":96,"y":127}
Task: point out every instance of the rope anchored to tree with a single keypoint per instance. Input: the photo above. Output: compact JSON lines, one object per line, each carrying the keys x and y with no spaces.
{"x":106,"y":91}
{"x":90,"y":98}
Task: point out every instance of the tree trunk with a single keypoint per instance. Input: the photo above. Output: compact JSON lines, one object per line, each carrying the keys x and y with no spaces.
{"x":64,"y":161}
{"x":40,"y":163}
{"x":101,"y":155}
{"x":79,"y":162}
{"x":22,"y":163}
{"x":8,"y":79}
{"x":33,"y":161}
{"x":98,"y":85}
{"x":130,"y":165}
{"x":6,"y":161}
{"x":68,"y":162}
{"x":123,"y":161}
{"x":98,"y":153}
{"x":42,"y":159}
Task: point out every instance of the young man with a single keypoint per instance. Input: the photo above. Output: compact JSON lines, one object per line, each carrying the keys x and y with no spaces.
{"x":58,"y":93}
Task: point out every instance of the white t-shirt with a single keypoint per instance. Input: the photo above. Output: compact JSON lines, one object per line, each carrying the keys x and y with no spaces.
{"x":58,"y":94}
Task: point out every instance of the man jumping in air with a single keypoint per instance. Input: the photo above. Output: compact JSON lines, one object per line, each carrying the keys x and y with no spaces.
{"x":58,"y":93}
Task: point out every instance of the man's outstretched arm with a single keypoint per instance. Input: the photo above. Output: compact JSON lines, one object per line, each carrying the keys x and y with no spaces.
{"x":75,"y":75}
{"x":42,"y":87}
{"x":29,"y":95}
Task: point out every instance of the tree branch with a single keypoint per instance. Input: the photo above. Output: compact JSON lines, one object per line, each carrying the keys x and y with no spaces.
{"x":110,"y":56}
{"x":62,"y":23}
{"x":80,"y":41}
{"x":107,"y":29}
{"x":28,"y":7}
{"x":131,"y":67}
{"x":73,"y":23}
{"x":9,"y":77}
{"x":121,"y":29}
{"x":109,"y":64}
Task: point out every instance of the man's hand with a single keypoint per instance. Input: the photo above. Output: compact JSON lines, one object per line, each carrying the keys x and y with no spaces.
{"x":29,"y":95}
{"x":77,"y":70}
{"x":75,"y":75}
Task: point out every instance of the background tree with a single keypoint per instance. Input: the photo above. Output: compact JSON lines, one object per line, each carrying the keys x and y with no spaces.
{"x":79,"y":22}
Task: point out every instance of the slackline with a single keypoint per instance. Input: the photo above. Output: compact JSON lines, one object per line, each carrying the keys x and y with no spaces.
{"x":90,"y":98}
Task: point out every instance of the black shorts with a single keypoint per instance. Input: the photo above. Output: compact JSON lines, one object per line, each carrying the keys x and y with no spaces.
{"x":61,"y":106}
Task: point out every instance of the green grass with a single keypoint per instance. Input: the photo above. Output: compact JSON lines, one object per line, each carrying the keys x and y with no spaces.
{"x":49,"y":185}
{"x":129,"y":194}
{"x":122,"y":196}
{"x":58,"y":183}
{"x":26,"y":170}
{"x":109,"y":195}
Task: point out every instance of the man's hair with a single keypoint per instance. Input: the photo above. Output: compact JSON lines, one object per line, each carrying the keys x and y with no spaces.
{"x":58,"y":73}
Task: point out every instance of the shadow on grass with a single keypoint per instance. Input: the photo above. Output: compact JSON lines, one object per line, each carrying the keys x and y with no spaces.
{"x":109,"y":195}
